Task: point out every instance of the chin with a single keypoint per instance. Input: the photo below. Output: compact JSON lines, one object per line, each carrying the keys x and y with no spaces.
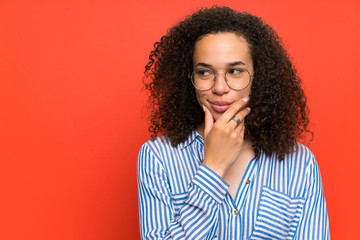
{"x":216,"y":116}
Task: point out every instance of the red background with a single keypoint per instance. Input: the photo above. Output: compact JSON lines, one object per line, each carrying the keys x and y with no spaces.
{"x":71,"y":107}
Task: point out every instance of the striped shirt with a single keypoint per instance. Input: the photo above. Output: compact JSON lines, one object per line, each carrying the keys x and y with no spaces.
{"x":180,"y":198}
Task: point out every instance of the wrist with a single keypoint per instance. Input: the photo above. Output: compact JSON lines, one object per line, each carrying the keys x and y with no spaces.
{"x":215,"y":168}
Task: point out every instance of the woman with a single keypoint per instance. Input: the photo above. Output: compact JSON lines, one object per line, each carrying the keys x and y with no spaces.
{"x":229,"y":106}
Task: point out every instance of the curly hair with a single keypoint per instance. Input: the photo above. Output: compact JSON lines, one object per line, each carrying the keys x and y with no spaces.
{"x":279,"y":114}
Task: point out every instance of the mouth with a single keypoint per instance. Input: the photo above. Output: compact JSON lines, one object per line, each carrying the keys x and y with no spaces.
{"x":220,"y":106}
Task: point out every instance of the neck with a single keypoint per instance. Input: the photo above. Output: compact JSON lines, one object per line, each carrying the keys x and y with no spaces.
{"x":200,"y":129}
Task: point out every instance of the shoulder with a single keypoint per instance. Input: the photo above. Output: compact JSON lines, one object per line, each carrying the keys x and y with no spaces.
{"x":302,"y":165}
{"x":162,"y":148}
{"x":301,"y":161}
{"x":156,"y":147}
{"x":161,"y":151}
{"x":299,"y":158}
{"x":157,"y":152}
{"x":150,"y":157}
{"x":300,"y":154}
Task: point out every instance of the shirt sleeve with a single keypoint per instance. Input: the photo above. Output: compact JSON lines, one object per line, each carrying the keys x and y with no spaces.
{"x":199,"y":213}
{"x":314,"y":223}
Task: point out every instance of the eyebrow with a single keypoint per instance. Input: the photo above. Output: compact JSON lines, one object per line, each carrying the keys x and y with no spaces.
{"x":231,"y":64}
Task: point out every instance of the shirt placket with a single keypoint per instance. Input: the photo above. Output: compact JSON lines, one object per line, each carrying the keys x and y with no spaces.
{"x":235,"y":218}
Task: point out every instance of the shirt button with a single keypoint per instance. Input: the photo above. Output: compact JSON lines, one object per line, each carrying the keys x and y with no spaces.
{"x":236,"y":212}
{"x":248,"y":181}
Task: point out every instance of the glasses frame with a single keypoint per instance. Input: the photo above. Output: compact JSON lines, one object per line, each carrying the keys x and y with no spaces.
{"x":226,"y":80}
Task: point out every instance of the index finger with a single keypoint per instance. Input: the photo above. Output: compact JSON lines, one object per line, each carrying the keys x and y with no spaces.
{"x":233,"y":110}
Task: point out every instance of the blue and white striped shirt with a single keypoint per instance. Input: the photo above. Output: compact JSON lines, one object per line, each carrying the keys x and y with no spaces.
{"x":180,"y":198}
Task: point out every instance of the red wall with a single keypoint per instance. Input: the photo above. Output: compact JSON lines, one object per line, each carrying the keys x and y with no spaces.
{"x":71,"y":105}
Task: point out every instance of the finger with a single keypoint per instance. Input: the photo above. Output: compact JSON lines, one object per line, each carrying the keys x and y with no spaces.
{"x":208,"y":122}
{"x":232,"y":110}
{"x":235,"y":121}
{"x":240,"y":129}
{"x":241,"y":115}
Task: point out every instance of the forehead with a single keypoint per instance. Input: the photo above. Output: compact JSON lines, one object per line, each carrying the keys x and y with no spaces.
{"x":222,"y":47}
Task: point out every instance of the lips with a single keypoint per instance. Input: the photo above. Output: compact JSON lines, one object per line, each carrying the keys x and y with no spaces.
{"x":220,"y":106}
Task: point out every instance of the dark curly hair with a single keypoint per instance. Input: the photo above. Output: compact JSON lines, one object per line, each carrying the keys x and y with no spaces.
{"x":279,"y":114}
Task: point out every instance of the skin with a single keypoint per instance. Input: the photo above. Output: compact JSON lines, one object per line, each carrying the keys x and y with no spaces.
{"x":226,"y":151}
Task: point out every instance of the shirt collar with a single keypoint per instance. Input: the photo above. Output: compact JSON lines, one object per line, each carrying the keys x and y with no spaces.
{"x":193,"y":135}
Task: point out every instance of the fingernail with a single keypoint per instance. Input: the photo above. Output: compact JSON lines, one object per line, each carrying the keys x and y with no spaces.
{"x":203,"y":107}
{"x":245,"y":99}
{"x":249,"y":109}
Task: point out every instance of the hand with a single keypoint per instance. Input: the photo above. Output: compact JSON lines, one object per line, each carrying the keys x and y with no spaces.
{"x":224,"y":138}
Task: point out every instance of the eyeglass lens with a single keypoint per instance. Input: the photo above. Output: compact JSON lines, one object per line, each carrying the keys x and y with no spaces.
{"x":236,"y":79}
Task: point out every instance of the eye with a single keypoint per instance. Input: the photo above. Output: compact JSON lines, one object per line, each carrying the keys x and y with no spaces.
{"x":236,"y":71}
{"x":203,"y":72}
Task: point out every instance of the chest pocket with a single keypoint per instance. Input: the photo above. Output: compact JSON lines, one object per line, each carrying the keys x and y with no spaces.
{"x":178,"y":201}
{"x":278,"y":215}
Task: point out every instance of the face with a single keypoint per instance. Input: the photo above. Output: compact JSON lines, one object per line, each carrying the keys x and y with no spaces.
{"x":221,"y":52}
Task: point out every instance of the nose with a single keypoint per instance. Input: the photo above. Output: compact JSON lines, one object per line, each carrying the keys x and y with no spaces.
{"x":220,"y":86}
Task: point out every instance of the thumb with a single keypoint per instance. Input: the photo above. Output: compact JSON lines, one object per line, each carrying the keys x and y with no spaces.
{"x":208,"y":122}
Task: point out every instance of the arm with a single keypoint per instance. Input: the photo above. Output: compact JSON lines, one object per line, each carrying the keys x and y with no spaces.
{"x":222,"y":144}
{"x":157,"y":216}
{"x":314,"y":223}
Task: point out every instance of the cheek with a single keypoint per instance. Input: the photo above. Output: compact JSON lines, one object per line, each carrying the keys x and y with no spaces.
{"x":244,"y":93}
{"x":199,"y":97}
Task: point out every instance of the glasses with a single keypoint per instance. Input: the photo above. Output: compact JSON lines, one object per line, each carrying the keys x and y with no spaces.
{"x":236,"y":79}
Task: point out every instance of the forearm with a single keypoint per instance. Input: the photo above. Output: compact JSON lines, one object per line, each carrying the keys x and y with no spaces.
{"x":192,"y":217}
